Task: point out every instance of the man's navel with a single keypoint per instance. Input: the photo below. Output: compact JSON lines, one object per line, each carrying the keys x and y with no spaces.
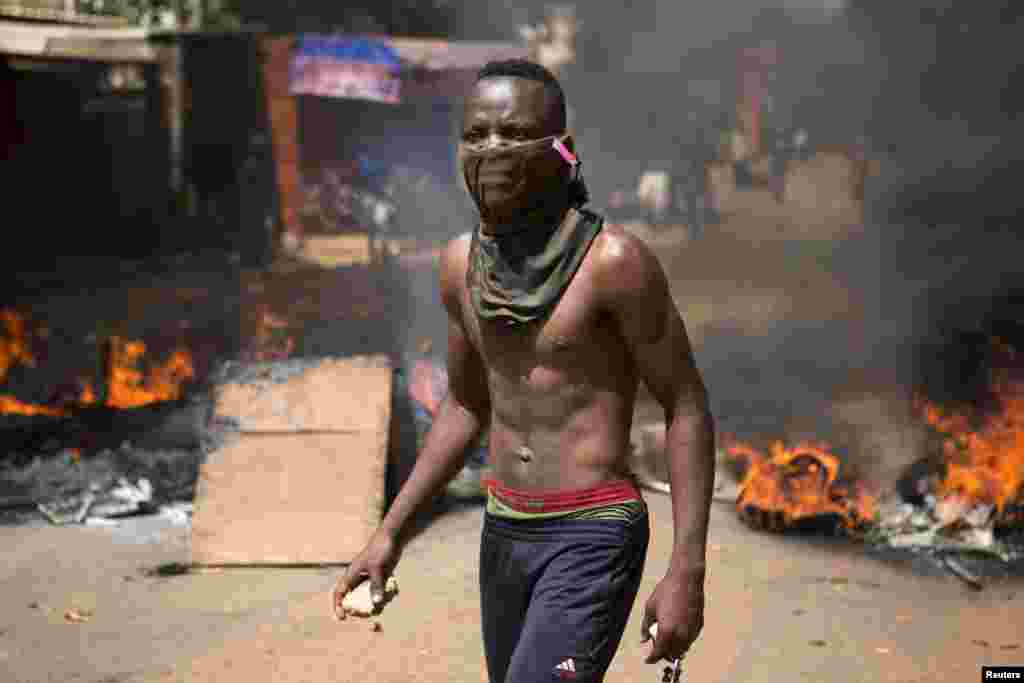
{"x":525,"y":454}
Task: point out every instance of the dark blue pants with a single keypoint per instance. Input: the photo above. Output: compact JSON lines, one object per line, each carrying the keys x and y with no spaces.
{"x":556,"y":595}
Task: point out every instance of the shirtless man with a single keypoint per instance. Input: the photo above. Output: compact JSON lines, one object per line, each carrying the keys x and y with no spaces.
{"x":553,"y":320}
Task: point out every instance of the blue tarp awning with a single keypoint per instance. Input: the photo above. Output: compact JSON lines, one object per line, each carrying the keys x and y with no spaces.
{"x":354,"y":49}
{"x":353,"y":68}
{"x":384,"y":69}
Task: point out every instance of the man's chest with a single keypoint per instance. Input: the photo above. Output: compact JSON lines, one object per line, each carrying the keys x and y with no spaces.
{"x":568,"y":337}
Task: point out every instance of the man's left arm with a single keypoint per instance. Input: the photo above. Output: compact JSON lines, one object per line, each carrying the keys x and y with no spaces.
{"x":640,"y":300}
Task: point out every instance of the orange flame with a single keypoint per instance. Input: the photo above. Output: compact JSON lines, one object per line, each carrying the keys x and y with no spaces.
{"x":799,"y":483}
{"x":15,"y":349}
{"x":984,"y":465}
{"x":88,"y":396}
{"x":9,"y":404}
{"x":14,"y":344}
{"x":127,"y":385}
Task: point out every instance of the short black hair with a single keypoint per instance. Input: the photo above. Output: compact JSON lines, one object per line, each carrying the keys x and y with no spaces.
{"x":522,"y":68}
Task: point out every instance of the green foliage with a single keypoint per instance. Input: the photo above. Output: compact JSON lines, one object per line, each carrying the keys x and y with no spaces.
{"x":136,"y":11}
{"x":217,"y":14}
{"x":434,"y":18}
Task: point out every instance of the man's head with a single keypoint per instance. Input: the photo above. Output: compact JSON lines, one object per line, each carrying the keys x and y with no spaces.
{"x":529,"y":87}
{"x":513,"y":115}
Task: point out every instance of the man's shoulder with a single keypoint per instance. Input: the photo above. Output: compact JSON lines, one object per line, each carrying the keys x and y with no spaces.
{"x":620,"y":256}
{"x":631,"y":282}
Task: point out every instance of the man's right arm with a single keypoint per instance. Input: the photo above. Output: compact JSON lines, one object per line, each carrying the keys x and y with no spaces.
{"x":462,"y":415}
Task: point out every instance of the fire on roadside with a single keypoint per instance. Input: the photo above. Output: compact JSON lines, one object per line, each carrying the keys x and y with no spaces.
{"x":131,"y":378}
{"x":984,"y":459}
{"x":797,"y":483}
{"x":15,"y":349}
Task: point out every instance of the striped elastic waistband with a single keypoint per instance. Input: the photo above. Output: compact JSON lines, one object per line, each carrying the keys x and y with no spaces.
{"x":611,"y":493}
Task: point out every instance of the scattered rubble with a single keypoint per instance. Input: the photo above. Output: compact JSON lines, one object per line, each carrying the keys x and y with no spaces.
{"x":179,"y":513}
{"x":961,"y":572}
{"x":122,"y":500}
{"x":945,"y":526}
{"x":959,"y":538}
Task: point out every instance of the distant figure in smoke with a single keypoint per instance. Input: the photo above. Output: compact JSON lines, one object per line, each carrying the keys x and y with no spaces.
{"x":688,"y":192}
{"x":656,"y":192}
{"x":800,"y":145}
{"x":782,"y":155}
{"x":554,"y":318}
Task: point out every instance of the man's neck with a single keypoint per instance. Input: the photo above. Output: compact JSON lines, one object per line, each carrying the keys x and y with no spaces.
{"x":548,"y":222}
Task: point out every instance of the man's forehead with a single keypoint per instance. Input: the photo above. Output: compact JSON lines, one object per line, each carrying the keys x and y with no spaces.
{"x":510,"y":93}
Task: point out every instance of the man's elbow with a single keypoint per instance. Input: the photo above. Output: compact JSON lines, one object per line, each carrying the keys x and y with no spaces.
{"x":476,"y":409}
{"x":701,"y":402}
{"x":699,"y":419}
{"x":481,"y":412}
{"x":688,"y":403}
{"x":693,"y":412}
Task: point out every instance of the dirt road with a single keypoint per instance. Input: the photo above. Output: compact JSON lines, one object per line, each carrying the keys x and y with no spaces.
{"x":780,"y":609}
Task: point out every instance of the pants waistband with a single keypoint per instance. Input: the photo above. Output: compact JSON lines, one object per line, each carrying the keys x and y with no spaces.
{"x":562,"y":501}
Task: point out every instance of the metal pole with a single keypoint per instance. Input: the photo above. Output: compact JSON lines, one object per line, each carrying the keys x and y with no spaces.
{"x":172,"y":80}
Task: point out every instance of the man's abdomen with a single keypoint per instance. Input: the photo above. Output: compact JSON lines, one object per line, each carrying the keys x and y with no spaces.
{"x":561,"y":443}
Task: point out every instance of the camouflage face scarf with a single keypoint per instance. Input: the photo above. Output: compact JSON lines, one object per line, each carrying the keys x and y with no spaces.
{"x":519,"y":278}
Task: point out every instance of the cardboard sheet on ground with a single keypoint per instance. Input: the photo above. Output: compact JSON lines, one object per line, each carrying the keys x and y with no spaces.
{"x":303,"y":483}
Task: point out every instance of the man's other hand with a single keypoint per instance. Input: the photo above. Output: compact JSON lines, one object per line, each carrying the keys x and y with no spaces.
{"x":677,"y":607}
{"x":377,"y":561}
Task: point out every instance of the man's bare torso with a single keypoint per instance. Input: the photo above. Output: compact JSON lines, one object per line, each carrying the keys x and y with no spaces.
{"x":561,"y":390}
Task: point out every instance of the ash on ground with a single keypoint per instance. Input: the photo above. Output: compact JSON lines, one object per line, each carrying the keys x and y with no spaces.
{"x":158,"y":468}
{"x":276,"y":372}
{"x":71,"y":488}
